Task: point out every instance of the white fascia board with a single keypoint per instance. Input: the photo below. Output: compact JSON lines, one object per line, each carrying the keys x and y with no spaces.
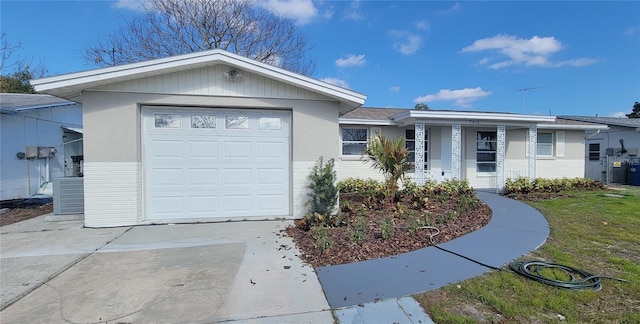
{"x":47,"y":106}
{"x":87,"y":79}
{"x":359,"y":121}
{"x":465,"y":115}
{"x":572,"y":127}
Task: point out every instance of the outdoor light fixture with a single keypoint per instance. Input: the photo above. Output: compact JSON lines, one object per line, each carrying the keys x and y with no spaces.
{"x":233,"y":75}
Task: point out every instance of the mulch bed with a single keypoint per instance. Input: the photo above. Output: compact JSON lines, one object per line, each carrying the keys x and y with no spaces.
{"x":343,"y":250}
{"x":24,"y":212}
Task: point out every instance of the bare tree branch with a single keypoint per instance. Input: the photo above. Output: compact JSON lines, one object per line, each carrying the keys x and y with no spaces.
{"x":173,"y":27}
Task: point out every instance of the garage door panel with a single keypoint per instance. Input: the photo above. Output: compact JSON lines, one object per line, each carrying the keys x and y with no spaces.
{"x":206,"y":204}
{"x":165,"y":177}
{"x":270,"y":177}
{"x":199,"y":149}
{"x":273,"y":202}
{"x":166,"y":149}
{"x":216,"y":163}
{"x":236,"y":150}
{"x":238,"y":204}
{"x":271,"y":150}
{"x":203,"y":176}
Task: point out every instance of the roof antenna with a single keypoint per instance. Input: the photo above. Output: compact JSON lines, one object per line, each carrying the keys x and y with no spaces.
{"x":524,"y":90}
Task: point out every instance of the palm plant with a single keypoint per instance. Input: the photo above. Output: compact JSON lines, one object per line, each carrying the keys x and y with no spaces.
{"x":391,"y":158}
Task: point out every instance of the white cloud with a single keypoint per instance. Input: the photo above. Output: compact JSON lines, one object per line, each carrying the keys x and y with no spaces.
{"x":535,"y":51}
{"x":353,"y":12}
{"x":394,"y":88}
{"x":129,"y":4}
{"x":618,"y":114}
{"x":302,"y":11}
{"x":631,"y":31}
{"x":461,"y":97}
{"x":351,"y":60}
{"x":454,"y":8}
{"x":337,"y":82}
{"x":422,"y":25}
{"x":409,"y":42}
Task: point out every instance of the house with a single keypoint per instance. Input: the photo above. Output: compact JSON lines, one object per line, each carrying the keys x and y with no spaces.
{"x":202,"y":136}
{"x":40,"y":134}
{"x":214,"y":136}
{"x":485,"y":148}
{"x":608,"y":151}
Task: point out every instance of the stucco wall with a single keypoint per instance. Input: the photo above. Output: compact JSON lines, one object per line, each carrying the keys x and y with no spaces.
{"x":112,"y":122}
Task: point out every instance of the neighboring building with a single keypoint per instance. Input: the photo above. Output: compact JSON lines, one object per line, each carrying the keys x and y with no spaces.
{"x":34,"y":130}
{"x":609,"y":151}
{"x":214,"y":136}
{"x":485,"y":148}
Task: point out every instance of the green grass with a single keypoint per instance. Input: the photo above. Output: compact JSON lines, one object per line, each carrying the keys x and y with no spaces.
{"x":590,"y":231}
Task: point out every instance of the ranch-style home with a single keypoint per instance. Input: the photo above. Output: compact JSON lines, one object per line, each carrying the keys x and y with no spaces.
{"x":214,"y":136}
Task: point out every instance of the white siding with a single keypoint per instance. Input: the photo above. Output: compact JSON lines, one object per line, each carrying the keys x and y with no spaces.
{"x":113,"y":193}
{"x":37,"y":127}
{"x":351,"y":168}
{"x":211,"y":81}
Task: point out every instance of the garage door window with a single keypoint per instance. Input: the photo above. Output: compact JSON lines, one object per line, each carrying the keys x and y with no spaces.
{"x":203,"y":121}
{"x":236,"y":122}
{"x":167,"y":120}
{"x":269,"y":123}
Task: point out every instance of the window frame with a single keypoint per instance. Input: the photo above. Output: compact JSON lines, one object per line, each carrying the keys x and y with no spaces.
{"x":408,"y":140}
{"x":550,"y":144}
{"x":591,"y":152}
{"x":343,"y":142}
{"x":493,"y":151}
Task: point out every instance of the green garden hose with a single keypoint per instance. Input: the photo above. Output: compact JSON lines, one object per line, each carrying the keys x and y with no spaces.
{"x":579,"y":279}
{"x":536,"y":270}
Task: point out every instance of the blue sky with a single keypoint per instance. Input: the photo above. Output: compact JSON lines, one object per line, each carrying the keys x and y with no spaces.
{"x":576,"y":58}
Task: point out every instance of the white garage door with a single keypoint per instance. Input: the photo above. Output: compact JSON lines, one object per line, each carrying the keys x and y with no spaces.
{"x":208,"y":163}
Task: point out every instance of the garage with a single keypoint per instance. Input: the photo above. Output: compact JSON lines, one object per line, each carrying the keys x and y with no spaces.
{"x":215,"y":163}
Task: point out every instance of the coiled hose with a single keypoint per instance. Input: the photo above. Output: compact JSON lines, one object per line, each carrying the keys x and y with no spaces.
{"x":579,"y":279}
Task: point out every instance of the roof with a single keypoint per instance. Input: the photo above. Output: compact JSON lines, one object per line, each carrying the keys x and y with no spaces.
{"x":16,"y":102}
{"x":404,"y":116}
{"x":612,"y":121}
{"x":70,"y":86}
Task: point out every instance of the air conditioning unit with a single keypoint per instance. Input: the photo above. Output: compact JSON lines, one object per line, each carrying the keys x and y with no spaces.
{"x":31,"y":152}
{"x":68,"y":195}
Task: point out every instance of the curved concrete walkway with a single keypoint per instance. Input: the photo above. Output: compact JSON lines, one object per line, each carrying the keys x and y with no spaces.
{"x":514,"y":230}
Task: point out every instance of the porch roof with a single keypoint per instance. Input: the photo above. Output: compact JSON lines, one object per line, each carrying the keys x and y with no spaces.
{"x":404,"y":117}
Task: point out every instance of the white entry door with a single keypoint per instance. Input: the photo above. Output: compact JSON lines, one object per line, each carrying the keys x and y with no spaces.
{"x":215,"y":163}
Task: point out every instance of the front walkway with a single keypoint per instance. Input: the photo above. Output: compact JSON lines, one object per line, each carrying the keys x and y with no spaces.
{"x":514,"y":230}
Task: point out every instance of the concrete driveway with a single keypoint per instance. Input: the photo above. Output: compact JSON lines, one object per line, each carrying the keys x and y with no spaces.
{"x":245,"y":272}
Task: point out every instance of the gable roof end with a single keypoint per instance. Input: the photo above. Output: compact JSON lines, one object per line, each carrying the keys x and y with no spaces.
{"x":70,"y":86}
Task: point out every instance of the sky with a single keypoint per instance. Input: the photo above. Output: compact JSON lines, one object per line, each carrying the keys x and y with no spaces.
{"x":544,"y":58}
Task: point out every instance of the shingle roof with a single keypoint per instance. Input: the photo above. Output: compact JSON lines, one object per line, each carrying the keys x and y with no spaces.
{"x":373,"y":113}
{"x":13,"y":102}
{"x":613,"y":121}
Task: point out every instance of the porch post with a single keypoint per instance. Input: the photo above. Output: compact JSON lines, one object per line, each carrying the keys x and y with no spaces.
{"x":419,"y":152}
{"x":501,"y":133}
{"x":456,"y":151}
{"x":533,"y":150}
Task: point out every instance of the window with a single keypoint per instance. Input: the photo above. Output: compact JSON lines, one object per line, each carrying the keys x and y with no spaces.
{"x":236,"y":122}
{"x":354,"y":141}
{"x":545,"y":144}
{"x":167,"y":120}
{"x":594,"y":152}
{"x":203,"y":121}
{"x":269,"y":123}
{"x":486,"y":152}
{"x":410,"y":144}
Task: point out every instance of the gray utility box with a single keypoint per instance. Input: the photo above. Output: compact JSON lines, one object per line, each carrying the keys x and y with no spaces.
{"x":68,"y":195}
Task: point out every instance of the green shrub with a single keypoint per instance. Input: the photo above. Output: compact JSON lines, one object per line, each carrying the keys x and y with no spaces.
{"x":387,"y":228}
{"x":321,"y":235}
{"x":358,"y":231}
{"x":323,"y":193}
{"x":540,"y":185}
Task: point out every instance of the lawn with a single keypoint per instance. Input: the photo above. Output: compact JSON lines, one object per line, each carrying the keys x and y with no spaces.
{"x":596,"y":231}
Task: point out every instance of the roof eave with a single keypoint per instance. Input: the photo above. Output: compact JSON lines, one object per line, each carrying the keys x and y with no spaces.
{"x":77,"y":82}
{"x":458,"y":115}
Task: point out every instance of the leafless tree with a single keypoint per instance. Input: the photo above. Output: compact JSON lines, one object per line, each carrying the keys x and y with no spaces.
{"x":172,"y":27}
